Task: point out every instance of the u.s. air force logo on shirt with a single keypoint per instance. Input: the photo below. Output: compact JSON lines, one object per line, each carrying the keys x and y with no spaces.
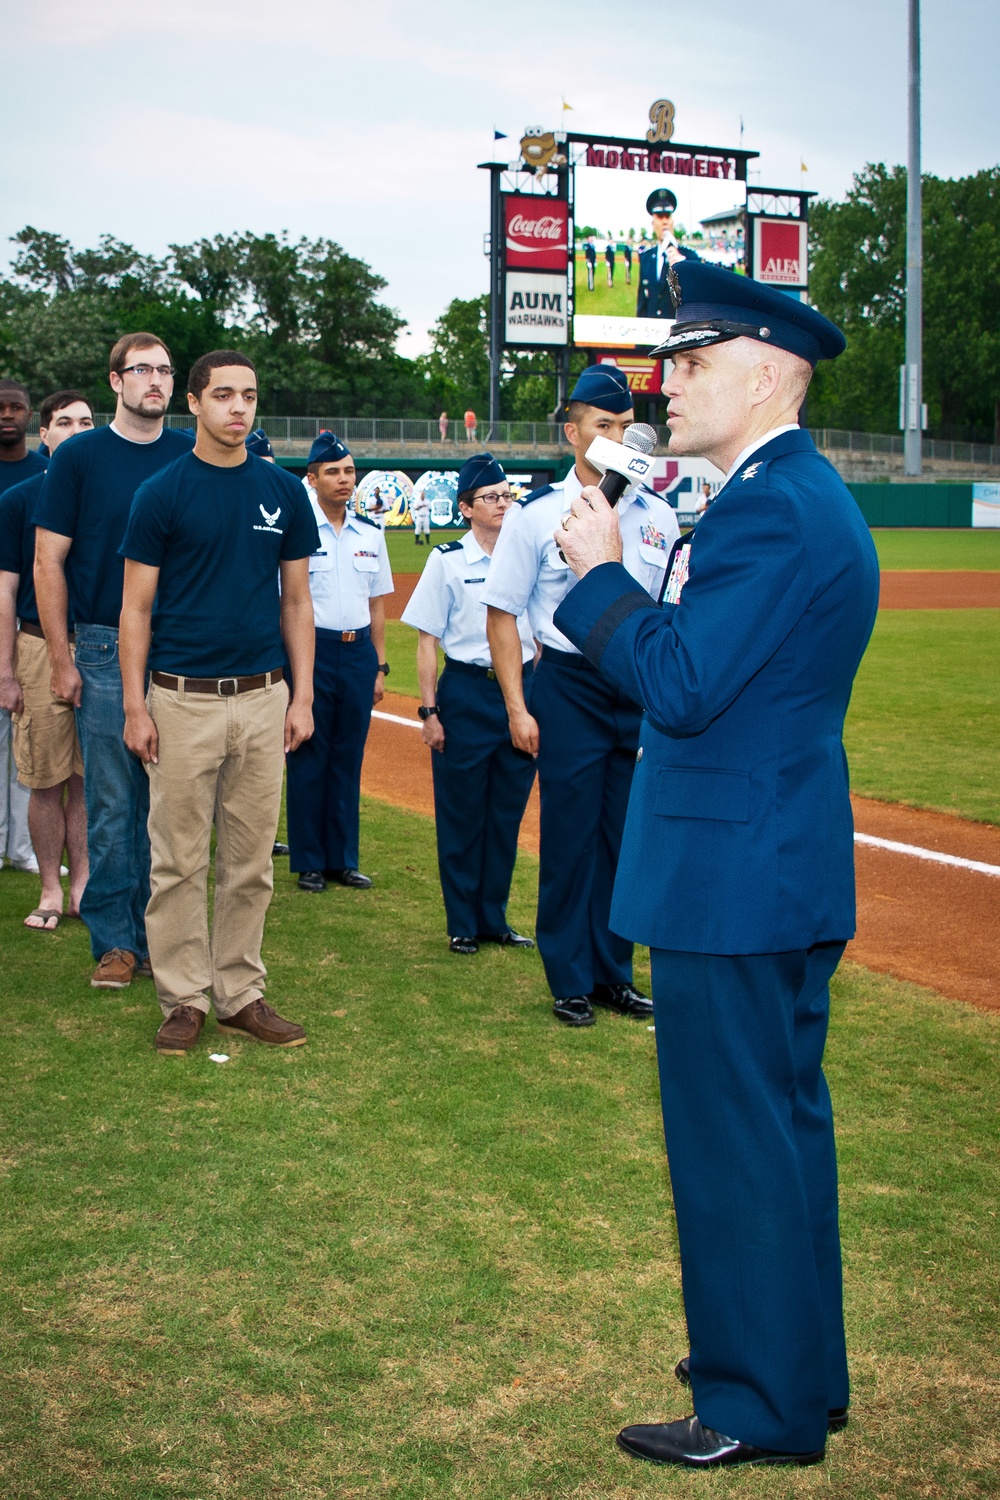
{"x":270,"y":517}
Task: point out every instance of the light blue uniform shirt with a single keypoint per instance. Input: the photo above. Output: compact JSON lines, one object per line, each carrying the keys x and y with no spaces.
{"x":447,"y":602}
{"x":347,"y":571}
{"x":528,"y":573}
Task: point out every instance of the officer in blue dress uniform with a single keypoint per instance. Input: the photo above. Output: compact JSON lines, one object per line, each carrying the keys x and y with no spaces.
{"x":653,"y":298}
{"x":481,"y":783}
{"x":348,"y":577}
{"x":583,"y":730}
{"x":737,"y":864}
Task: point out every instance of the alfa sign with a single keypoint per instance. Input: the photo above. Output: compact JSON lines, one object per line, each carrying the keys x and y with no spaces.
{"x":781,"y":252}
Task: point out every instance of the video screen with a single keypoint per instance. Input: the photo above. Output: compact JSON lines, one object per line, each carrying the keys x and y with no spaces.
{"x":629,"y":226}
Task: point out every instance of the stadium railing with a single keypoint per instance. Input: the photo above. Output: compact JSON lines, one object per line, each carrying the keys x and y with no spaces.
{"x":290,"y":433}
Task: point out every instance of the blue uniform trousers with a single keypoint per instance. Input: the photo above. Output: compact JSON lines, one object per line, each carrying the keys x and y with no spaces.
{"x":481,"y":788}
{"x":324,"y":775}
{"x":588,"y":736}
{"x":749,"y":1133}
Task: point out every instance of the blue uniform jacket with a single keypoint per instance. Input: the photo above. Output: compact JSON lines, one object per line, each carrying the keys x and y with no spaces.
{"x":739,"y":837}
{"x":653,"y":299}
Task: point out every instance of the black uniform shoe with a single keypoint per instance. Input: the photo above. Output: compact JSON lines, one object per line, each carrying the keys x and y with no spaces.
{"x":463,"y":945}
{"x":688,"y":1442}
{"x":574,"y":1010}
{"x":352,"y":878}
{"x":280,"y":851}
{"x":836,"y":1418}
{"x":624,"y":998}
{"x":312,"y":880}
{"x":506,"y":939}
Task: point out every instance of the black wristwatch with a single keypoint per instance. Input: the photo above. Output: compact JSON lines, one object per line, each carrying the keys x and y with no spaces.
{"x":383,"y":667}
{"x":426,"y":713}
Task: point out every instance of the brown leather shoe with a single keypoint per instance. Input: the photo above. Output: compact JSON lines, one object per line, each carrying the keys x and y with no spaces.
{"x":114,"y":972}
{"x":180,"y":1031}
{"x":259,"y":1021}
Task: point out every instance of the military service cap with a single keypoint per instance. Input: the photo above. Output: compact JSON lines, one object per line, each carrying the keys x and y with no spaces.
{"x":259,"y":443}
{"x":661,"y":202}
{"x":714,"y":305}
{"x":478,"y":471}
{"x":328,"y":449}
{"x":604,"y":386}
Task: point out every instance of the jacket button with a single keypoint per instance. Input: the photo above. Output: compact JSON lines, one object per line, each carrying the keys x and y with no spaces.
{"x":638,"y":755}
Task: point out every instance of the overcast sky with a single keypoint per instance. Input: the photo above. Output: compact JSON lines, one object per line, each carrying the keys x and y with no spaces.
{"x":365,"y":122}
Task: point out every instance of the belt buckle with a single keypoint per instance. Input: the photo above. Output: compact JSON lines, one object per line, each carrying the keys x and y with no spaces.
{"x":227,"y":687}
{"x":348,"y":635}
{"x":491,"y":674}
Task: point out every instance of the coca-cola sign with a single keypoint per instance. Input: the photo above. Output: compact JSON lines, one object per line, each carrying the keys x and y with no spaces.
{"x":537,"y":232}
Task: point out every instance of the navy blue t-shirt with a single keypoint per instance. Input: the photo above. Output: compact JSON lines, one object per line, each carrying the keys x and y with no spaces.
{"x":217,"y":537}
{"x":17,"y":542}
{"x":21,"y":469}
{"x":87,"y":495}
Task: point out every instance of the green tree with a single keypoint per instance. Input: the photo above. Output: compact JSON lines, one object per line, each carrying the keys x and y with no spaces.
{"x":858,"y":278}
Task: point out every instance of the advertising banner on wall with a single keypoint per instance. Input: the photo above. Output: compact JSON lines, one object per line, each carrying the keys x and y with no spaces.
{"x":644,"y":376}
{"x":781,"y":252}
{"x":986,"y":504}
{"x":536,"y":233}
{"x":535,"y":310}
{"x":621,"y":247}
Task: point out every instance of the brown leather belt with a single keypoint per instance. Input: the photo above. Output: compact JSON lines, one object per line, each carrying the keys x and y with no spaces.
{"x":219,"y":687}
{"x":28,"y":627}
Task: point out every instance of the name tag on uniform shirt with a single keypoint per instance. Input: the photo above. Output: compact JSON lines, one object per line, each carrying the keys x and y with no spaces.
{"x":474,"y":580}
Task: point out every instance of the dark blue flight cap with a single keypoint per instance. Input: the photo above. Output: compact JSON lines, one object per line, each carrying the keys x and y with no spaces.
{"x":479,"y":471}
{"x":259,"y":443}
{"x":604,"y":386}
{"x":714,"y":305}
{"x":328,"y":449}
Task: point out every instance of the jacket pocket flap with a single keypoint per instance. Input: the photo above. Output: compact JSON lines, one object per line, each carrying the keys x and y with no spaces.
{"x":688,"y":793}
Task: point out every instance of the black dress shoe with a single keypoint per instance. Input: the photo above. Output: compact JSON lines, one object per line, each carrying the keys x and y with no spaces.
{"x":624,"y":998}
{"x":506,"y":939}
{"x":352,"y":878}
{"x":836,"y":1418}
{"x":463,"y":945}
{"x":312,"y":880}
{"x":280,"y":851}
{"x":687,"y":1442}
{"x":574,"y":1010}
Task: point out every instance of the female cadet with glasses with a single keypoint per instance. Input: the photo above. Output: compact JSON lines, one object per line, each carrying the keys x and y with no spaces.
{"x":481,"y":783}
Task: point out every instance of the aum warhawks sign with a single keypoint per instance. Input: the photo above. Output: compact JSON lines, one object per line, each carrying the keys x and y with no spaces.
{"x":537,"y":232}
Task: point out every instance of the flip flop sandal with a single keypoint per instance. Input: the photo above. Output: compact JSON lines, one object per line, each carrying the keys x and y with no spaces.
{"x":46,"y":916}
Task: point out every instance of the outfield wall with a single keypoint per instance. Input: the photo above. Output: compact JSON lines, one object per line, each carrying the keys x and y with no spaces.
{"x":914,"y":504}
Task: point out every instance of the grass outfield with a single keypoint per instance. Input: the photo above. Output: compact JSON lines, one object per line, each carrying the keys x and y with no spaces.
{"x":937,"y":549}
{"x":431,"y":1253}
{"x":404,"y":554}
{"x":924,"y":721}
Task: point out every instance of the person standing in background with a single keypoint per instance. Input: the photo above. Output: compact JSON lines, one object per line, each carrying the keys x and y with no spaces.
{"x":443,"y":426}
{"x":471,"y":423}
{"x":17,"y":463}
{"x":208,"y":539}
{"x":349,"y":577}
{"x":46,"y":744}
{"x":583,"y":730}
{"x":80,"y":519}
{"x":420,"y":510}
{"x":481,"y":783}
{"x":609,"y":261}
{"x":590,"y":256}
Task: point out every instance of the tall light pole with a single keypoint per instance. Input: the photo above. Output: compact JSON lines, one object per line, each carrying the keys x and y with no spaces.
{"x":911,"y":376}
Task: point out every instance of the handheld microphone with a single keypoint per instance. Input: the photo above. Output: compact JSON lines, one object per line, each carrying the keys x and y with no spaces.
{"x":623,"y":463}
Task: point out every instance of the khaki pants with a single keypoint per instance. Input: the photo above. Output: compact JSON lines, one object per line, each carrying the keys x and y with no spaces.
{"x":220,"y":759}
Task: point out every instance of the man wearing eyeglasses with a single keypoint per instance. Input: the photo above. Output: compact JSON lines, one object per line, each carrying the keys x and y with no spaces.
{"x":80,"y":519}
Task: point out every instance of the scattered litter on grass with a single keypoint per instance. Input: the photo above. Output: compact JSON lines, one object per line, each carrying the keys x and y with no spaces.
{"x":650,"y":1028}
{"x":218,"y":1057}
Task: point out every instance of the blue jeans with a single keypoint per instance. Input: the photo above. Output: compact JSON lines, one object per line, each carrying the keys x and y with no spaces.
{"x":116,"y":791}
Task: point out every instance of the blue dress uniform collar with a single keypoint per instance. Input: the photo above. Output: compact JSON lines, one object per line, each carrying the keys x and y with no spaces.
{"x":752,"y":461}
